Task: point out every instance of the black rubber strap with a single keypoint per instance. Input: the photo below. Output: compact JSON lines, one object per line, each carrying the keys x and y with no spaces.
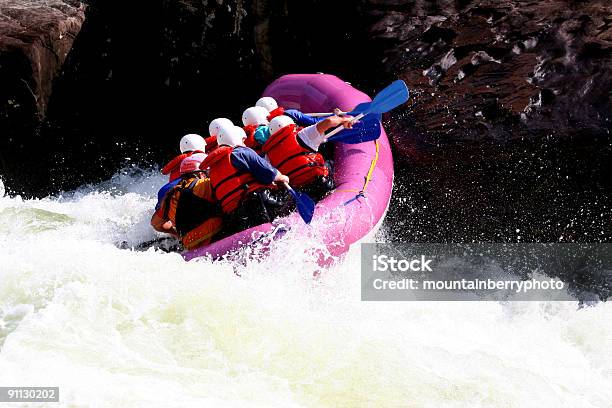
{"x":292,"y":157}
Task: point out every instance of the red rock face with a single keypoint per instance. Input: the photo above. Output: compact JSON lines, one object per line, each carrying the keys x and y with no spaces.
{"x":40,"y":34}
{"x":499,"y":70}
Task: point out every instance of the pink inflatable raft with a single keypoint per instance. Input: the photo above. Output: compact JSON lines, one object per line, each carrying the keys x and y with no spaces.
{"x":363,"y":175}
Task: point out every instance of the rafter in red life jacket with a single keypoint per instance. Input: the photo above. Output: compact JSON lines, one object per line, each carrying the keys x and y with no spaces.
{"x":250,"y":140}
{"x":211,"y":143}
{"x":173,"y":167}
{"x":229,"y":184}
{"x":250,"y":132}
{"x":303,"y":166}
{"x":276,"y":112}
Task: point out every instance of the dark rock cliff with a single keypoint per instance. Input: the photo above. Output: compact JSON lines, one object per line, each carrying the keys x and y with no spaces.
{"x":507,"y":133}
{"x":35,"y":39}
{"x":141,"y":74}
{"x":500,"y":69}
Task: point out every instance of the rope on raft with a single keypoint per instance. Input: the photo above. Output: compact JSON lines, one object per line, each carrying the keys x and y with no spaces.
{"x":368,"y":177}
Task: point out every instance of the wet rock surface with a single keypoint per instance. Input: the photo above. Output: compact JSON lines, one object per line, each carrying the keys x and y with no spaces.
{"x":506,"y":136}
{"x":500,"y":70}
{"x":39,"y":35}
{"x":35,"y":39}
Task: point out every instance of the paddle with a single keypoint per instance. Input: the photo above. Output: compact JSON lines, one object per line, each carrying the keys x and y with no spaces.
{"x":362,"y":107}
{"x":363,"y":131}
{"x":356,"y":111}
{"x":389,"y":98}
{"x":323,"y":114}
{"x":304,"y":204}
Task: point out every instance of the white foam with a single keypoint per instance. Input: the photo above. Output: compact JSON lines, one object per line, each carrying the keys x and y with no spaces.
{"x":115,"y":327}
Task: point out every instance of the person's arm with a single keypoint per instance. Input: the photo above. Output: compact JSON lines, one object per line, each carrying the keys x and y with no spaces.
{"x":281,"y":178}
{"x":313,"y":136}
{"x":333,"y":121}
{"x":246,"y":159}
{"x":300,"y":118}
{"x":161,"y":194}
{"x":161,"y":225}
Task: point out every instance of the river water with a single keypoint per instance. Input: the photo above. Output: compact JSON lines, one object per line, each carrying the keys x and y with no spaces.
{"x":121,"y":328}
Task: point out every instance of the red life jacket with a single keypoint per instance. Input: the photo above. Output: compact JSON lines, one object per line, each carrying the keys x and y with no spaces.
{"x":250,"y":140}
{"x":229,"y":184}
{"x":276,"y":112}
{"x":173,"y":168}
{"x":301,"y":165}
{"x":211,"y":143}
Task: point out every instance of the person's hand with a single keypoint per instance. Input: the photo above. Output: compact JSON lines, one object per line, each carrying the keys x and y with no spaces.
{"x":334,"y":121}
{"x":281,"y":178}
{"x":168,"y":228}
{"x":346,"y":121}
{"x":338,"y":112}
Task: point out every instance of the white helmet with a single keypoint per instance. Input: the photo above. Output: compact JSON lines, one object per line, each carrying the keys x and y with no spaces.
{"x":255,"y":115}
{"x":267,"y":102}
{"x":216,"y":125}
{"x":231,"y":136}
{"x":192,"y":142}
{"x":280,"y":122}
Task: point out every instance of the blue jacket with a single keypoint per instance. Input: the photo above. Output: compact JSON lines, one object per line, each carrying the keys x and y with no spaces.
{"x":246,"y":159}
{"x":301,"y":119}
{"x":162,"y":192}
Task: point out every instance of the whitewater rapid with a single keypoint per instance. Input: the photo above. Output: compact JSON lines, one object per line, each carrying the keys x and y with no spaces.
{"x":122,"y":328}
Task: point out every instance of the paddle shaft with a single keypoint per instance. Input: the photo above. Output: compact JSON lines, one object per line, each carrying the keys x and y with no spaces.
{"x":322,"y":114}
{"x":339,"y":128}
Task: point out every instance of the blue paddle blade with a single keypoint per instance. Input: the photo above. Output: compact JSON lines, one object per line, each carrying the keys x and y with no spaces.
{"x":367,"y":129}
{"x":304,"y":204}
{"x":362,"y":107}
{"x":389,"y":98}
